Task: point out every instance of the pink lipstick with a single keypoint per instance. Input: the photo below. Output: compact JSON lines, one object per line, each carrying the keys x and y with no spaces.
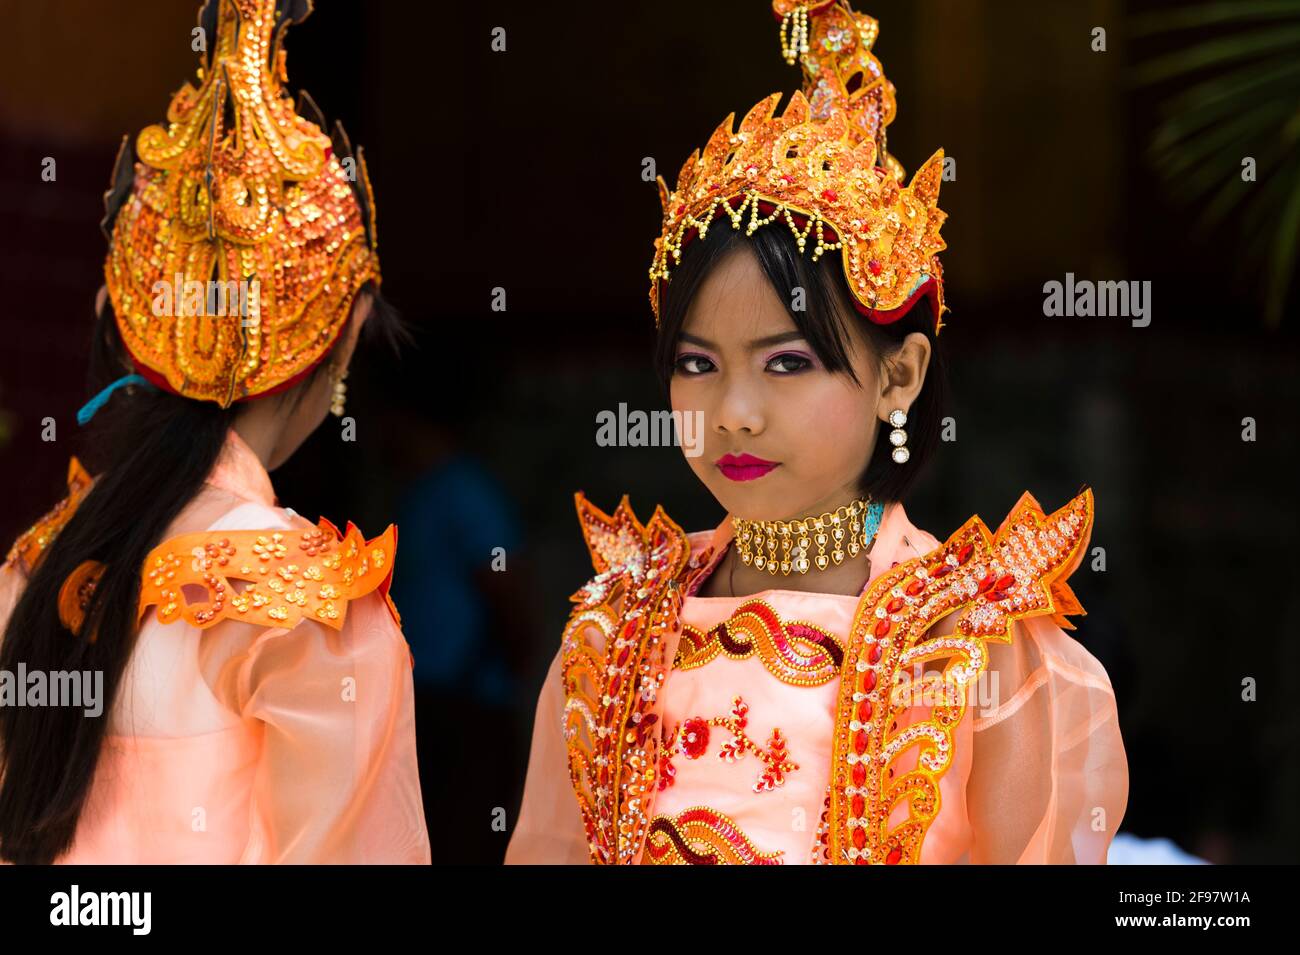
{"x":744,"y":467}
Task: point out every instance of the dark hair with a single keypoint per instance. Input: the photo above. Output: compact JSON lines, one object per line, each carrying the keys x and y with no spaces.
{"x":151,"y":452}
{"x":824,"y":324}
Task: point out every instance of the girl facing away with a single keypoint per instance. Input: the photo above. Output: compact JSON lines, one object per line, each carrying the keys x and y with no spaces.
{"x":817,"y":680}
{"x":252,"y":695}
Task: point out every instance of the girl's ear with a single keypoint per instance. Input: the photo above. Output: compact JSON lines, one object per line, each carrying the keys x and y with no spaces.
{"x":100,"y":298}
{"x":905,"y":374}
{"x":362,"y":307}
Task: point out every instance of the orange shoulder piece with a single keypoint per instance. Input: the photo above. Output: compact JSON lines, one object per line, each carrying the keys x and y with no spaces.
{"x":612,"y":664}
{"x":295,"y":574}
{"x":620,"y":544}
{"x":29,"y":548}
{"x":987,"y":581}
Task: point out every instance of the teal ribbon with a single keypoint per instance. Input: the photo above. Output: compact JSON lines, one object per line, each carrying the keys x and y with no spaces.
{"x":871,"y":520}
{"x":94,"y":404}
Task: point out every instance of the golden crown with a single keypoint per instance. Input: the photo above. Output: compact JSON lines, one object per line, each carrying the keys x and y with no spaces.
{"x":822,"y":168}
{"x":240,"y":191}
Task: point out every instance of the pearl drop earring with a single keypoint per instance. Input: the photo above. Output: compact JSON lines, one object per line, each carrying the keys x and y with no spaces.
{"x":898,"y":437}
{"x":340,"y":393}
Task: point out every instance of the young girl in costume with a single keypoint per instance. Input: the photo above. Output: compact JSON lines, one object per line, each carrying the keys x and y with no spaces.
{"x":818,"y":680}
{"x":256,"y":700}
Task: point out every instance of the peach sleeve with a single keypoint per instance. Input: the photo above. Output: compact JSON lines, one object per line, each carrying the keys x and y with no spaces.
{"x":1049,"y":776}
{"x":12,"y":582}
{"x":337,"y":780}
{"x":550,"y":830}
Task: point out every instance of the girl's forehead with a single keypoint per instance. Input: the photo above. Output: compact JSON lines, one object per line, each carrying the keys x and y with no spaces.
{"x":737,"y":301}
{"x":738,"y":321}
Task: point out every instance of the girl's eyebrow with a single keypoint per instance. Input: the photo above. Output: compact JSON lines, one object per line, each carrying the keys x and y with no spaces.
{"x":767,"y":341}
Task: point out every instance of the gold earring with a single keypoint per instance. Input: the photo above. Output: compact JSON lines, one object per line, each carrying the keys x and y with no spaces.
{"x":340,"y":393}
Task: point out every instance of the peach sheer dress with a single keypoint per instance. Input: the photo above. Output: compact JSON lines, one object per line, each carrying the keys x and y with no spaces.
{"x":235,"y":744}
{"x":1038,"y":775}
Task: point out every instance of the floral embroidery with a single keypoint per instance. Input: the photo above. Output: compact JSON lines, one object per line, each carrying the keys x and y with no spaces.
{"x":691,"y":739}
{"x":795,"y":652}
{"x":694,"y":737}
{"x":702,"y":836}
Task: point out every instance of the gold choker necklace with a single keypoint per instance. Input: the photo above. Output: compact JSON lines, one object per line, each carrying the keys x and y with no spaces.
{"x":847,"y":530}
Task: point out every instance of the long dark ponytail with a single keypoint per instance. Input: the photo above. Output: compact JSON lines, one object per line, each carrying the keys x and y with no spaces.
{"x":151,"y":452}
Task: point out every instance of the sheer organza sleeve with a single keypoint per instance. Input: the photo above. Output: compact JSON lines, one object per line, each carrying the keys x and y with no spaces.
{"x":1049,"y":777}
{"x":550,"y":829}
{"x":338,"y":780}
{"x":12,"y":582}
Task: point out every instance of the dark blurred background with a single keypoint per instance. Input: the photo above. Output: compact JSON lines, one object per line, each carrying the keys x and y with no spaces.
{"x":522,"y":170}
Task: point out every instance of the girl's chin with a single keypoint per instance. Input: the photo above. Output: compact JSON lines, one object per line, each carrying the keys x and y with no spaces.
{"x":749,"y":506}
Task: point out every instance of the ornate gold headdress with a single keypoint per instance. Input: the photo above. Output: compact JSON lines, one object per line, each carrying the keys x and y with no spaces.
{"x":242,"y":189}
{"x":821,"y":167}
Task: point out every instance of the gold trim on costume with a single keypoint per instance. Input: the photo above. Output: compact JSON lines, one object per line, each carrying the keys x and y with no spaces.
{"x":296,"y":574}
{"x":794,"y":651}
{"x":702,"y":836}
{"x":987,"y":581}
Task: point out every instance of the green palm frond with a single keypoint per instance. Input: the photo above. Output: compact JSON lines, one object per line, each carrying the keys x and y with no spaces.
{"x":1232,"y":96}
